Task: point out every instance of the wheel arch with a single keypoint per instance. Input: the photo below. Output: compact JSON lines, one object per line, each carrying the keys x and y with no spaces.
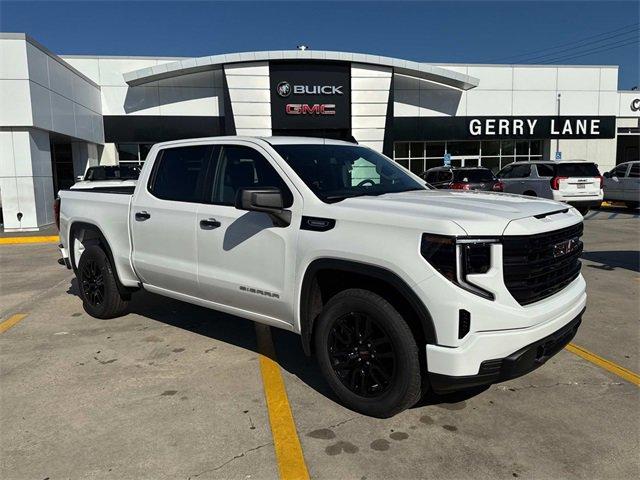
{"x":373,"y":277}
{"x":96,"y":237}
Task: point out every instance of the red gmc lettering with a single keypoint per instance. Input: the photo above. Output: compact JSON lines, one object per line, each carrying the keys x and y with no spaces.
{"x":306,"y":109}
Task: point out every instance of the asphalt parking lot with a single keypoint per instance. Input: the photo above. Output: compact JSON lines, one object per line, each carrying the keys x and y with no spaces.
{"x":176,"y":391}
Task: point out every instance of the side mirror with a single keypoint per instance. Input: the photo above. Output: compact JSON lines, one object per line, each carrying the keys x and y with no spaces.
{"x":79,"y":178}
{"x":606,"y":174}
{"x":266,"y":200}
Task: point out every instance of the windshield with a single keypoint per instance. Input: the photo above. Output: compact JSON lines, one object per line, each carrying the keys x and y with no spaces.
{"x":577,"y":170}
{"x":336,"y":172}
{"x":472,"y":176}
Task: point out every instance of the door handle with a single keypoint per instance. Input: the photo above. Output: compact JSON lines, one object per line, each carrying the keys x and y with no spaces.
{"x":209,"y":224}
{"x":142,"y":216}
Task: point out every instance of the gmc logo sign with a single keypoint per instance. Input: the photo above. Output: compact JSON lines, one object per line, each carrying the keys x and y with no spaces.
{"x":306,"y":109}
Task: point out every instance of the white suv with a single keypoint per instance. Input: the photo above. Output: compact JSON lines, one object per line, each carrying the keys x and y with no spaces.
{"x":393,"y":286}
{"x":575,"y":182}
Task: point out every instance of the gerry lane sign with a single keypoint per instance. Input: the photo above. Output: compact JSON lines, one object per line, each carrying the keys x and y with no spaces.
{"x":495,"y":128}
{"x":541,"y":127}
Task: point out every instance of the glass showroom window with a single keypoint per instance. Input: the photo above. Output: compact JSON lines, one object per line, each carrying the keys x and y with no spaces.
{"x":493,"y":154}
{"x":133,"y":153}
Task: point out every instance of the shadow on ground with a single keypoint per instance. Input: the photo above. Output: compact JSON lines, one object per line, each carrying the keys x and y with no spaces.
{"x":240,"y":332}
{"x":612,"y":259}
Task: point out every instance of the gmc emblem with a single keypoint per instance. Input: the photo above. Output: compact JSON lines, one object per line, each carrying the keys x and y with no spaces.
{"x":565,"y":248}
{"x":306,"y":109}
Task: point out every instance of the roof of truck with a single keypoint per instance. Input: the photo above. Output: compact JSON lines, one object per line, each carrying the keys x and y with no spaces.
{"x":279,"y":140}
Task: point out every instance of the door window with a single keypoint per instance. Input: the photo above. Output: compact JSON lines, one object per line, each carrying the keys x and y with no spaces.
{"x":180,"y":172}
{"x":444,"y":176}
{"x":620,"y":171}
{"x":520,"y":171}
{"x":635,"y":170}
{"x":243,"y":167}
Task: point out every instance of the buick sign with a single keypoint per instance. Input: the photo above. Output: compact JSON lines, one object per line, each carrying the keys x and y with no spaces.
{"x":284,"y":89}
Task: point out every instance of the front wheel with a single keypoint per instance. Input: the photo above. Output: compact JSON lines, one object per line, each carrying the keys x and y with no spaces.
{"x":97,"y":284}
{"x":368,"y":354}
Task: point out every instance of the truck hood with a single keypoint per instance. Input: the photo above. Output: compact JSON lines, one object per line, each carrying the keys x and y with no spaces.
{"x":477,"y":213}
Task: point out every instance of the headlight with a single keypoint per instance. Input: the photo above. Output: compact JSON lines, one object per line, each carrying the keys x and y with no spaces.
{"x":456,"y":258}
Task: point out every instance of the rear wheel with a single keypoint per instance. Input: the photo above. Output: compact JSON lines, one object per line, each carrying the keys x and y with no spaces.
{"x":367,"y":354}
{"x":97,"y":284}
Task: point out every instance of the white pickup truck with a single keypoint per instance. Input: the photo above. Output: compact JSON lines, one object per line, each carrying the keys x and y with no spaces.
{"x":394,"y":287}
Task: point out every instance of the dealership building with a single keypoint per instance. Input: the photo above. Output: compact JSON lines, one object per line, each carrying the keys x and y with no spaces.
{"x":60,"y":114}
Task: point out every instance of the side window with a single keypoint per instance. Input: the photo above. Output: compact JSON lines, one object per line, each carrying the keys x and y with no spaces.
{"x":505,"y":172}
{"x":243,"y":167}
{"x":444,"y":176}
{"x":545,"y":170}
{"x":635,"y":170}
{"x":520,"y":171}
{"x":431,"y":177}
{"x":620,"y":171}
{"x":180,"y":172}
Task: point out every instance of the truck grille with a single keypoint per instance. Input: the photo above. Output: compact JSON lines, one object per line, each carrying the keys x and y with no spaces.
{"x":537,"y":266}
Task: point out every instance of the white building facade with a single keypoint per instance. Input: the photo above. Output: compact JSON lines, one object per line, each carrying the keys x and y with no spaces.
{"x":61,"y":114}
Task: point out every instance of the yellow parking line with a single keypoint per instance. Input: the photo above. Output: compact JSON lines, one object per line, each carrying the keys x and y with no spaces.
{"x":289,"y":455}
{"x":622,"y":372}
{"x":11,"y":321}
{"x":17,"y":240}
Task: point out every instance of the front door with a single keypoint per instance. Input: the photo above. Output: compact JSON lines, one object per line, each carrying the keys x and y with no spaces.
{"x":244,"y":260}
{"x":163,"y":219}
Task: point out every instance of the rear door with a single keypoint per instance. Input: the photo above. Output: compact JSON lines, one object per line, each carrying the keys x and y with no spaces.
{"x":579,"y":179}
{"x":163,"y":219}
{"x":631,"y":183}
{"x":614,"y":183}
{"x":515,"y":178}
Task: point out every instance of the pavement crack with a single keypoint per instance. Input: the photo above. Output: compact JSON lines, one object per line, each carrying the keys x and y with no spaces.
{"x":341,"y":423}
{"x":235,"y":457}
{"x":559,"y":384}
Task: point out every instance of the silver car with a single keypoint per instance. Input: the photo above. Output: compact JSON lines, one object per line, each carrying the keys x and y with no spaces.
{"x":576,"y":182}
{"x":622,"y":184}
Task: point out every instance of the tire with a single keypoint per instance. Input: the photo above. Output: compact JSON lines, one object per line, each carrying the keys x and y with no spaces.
{"x":583,"y":210}
{"x":97,"y":285}
{"x":392,"y":382}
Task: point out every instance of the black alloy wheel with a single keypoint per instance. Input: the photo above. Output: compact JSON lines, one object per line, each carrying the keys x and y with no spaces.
{"x":93,"y":283}
{"x":361,"y":354}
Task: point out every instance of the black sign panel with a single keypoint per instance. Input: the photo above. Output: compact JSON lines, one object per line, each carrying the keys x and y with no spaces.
{"x":494,"y":128}
{"x":310,"y":95}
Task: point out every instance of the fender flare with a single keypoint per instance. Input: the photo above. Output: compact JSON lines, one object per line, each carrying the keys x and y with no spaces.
{"x":102,"y":241}
{"x":373,"y":271}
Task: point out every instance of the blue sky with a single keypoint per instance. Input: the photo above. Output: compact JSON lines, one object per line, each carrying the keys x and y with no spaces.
{"x":474,"y":32}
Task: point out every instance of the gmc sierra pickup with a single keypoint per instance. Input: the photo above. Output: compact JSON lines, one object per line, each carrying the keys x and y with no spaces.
{"x":393,"y":286}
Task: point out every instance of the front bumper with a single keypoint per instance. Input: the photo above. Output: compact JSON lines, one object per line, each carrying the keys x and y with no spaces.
{"x":519,"y":363}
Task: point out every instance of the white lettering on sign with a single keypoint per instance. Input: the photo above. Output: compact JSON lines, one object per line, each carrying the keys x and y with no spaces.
{"x":475,"y":127}
{"x":518,"y":127}
{"x":317,"y":89}
{"x":521,"y":127}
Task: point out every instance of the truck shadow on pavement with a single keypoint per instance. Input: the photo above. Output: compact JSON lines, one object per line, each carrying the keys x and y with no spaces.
{"x":612,"y":259}
{"x":240,"y":332}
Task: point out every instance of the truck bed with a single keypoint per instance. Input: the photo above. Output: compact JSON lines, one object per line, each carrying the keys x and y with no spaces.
{"x":109,"y":211}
